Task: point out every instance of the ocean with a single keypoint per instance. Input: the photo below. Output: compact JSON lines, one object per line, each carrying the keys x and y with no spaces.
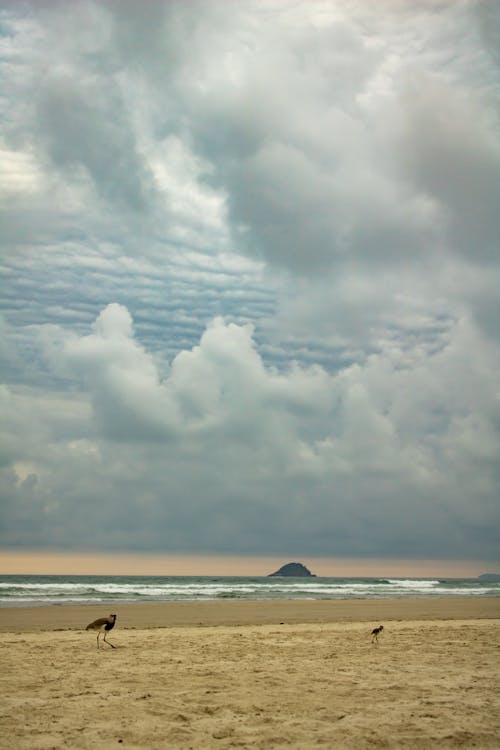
{"x":24,"y":590}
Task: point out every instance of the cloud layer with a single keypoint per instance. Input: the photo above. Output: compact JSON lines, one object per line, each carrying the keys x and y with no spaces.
{"x":226,"y":453}
{"x":251,"y":270}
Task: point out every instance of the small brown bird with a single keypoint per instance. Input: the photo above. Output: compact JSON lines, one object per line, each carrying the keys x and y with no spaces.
{"x":375,"y":633}
{"x":103,"y":624}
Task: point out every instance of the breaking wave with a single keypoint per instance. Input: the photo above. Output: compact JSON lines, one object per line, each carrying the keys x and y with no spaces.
{"x":32,"y":590}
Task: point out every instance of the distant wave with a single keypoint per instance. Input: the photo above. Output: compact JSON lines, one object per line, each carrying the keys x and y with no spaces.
{"x":32,"y":590}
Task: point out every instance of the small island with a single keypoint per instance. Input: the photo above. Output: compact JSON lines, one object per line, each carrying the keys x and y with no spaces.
{"x":489,"y":577}
{"x":293,"y":570}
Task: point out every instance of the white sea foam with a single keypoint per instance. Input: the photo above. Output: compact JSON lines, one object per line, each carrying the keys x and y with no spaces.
{"x":22,"y":590}
{"x":412,"y":583}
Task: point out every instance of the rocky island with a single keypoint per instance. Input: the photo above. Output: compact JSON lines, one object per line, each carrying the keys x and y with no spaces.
{"x":293,"y":570}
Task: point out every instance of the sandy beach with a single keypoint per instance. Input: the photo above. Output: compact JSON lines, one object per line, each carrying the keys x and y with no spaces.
{"x":253,"y":675}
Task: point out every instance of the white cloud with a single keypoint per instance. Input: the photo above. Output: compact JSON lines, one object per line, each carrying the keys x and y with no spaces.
{"x":226,"y":452}
{"x":18,"y":172}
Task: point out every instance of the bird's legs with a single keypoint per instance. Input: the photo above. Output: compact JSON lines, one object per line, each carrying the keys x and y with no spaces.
{"x":108,"y":642}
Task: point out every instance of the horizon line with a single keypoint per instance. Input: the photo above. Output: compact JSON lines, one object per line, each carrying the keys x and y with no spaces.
{"x":49,"y":562}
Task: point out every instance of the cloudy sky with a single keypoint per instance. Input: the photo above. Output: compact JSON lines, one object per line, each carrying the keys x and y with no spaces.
{"x":251,"y":272}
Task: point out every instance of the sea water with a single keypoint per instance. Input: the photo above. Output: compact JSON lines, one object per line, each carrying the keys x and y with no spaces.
{"x":24,"y":590}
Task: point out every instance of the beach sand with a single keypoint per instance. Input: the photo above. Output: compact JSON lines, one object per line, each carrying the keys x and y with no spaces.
{"x":253,"y":675}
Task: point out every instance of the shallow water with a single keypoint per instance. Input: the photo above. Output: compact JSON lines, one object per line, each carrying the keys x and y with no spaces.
{"x":23,"y":590}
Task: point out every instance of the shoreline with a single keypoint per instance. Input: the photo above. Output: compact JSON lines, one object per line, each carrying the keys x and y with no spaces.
{"x":142,"y":615}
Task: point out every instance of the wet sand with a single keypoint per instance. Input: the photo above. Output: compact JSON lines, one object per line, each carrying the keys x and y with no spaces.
{"x":261,"y":675}
{"x":174,"y":614}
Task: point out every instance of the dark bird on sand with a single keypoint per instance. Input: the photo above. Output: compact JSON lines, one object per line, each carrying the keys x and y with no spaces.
{"x":376,"y":632}
{"x":103,"y":625}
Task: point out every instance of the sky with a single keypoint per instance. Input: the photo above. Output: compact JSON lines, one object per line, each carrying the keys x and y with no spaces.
{"x":250,"y":272}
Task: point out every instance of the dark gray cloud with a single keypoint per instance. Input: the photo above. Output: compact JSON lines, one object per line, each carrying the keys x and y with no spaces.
{"x":84,"y":125}
{"x":251,"y":262}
